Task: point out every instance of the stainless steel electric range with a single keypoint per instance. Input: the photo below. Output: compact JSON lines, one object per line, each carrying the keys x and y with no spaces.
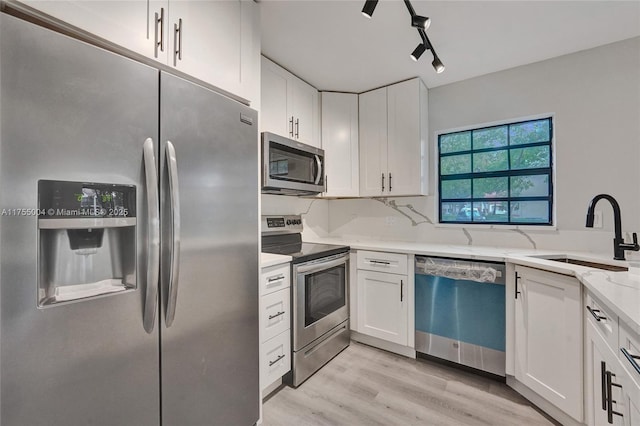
{"x":320,"y":295}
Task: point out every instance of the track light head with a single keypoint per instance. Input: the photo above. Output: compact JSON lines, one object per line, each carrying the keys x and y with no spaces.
{"x":437,"y":64}
{"x":369,"y":7}
{"x":418,"y":51}
{"x":422,"y":22}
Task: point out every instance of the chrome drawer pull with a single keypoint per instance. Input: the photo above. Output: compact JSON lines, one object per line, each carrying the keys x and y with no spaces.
{"x":276,"y":360}
{"x":596,"y":314}
{"x":276,"y":315}
{"x":632,"y":359}
{"x":380,"y":262}
{"x":274,"y":279}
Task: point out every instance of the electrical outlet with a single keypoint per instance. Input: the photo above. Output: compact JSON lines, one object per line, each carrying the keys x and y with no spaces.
{"x":597,"y":219}
{"x":390,"y":220}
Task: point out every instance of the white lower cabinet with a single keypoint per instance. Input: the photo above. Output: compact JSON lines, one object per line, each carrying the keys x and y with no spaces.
{"x":548,"y":338}
{"x":601,"y":391}
{"x":383,"y":297}
{"x":276,"y":359}
{"x":612,"y":392}
{"x":275,"y":324}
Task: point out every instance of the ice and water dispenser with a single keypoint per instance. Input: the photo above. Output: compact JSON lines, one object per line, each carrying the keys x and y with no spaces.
{"x":86,"y":240}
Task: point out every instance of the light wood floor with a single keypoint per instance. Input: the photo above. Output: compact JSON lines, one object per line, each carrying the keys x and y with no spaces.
{"x":368,"y":386}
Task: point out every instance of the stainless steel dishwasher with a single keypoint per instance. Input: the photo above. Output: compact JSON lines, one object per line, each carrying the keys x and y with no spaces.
{"x":460,"y":312}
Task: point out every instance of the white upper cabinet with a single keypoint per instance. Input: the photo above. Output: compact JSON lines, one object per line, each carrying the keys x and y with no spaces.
{"x":340,"y":143}
{"x":126,"y":23}
{"x":289,"y":106}
{"x":214,"y":40}
{"x":373,"y":142}
{"x":394,"y":140}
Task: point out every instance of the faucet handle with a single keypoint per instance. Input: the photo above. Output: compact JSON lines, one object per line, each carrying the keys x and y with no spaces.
{"x":635,"y":242}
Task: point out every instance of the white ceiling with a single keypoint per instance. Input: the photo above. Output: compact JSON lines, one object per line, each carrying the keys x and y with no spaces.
{"x":333,"y":47}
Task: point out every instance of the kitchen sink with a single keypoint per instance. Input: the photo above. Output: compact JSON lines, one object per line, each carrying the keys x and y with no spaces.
{"x":588,"y":264}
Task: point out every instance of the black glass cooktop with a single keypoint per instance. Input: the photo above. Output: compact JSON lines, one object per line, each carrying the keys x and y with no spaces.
{"x":293,"y":246}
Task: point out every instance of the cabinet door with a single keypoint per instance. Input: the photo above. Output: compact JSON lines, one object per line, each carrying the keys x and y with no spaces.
{"x":548,"y":338}
{"x":599,"y":360}
{"x":407,"y":138}
{"x":206,"y":40}
{"x":275,"y":103}
{"x":129,"y":23}
{"x":305,"y":112}
{"x":631,"y":397}
{"x":340,"y":143}
{"x":382,"y":306}
{"x":373,"y":143}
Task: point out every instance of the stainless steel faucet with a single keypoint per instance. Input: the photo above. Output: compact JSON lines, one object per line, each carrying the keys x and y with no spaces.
{"x":619,"y":246}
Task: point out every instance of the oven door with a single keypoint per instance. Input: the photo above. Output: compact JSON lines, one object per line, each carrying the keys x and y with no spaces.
{"x":321,"y":298}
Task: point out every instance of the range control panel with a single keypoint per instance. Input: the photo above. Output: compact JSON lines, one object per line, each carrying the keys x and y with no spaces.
{"x":281,"y":224}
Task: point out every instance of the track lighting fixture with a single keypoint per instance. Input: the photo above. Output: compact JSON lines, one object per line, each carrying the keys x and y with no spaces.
{"x":437,"y":64}
{"x":369,"y":7}
{"x":418,"y":51}
{"x":418,"y":22}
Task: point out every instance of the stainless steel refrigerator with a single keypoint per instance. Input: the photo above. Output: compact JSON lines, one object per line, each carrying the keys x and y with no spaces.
{"x":128,"y":241}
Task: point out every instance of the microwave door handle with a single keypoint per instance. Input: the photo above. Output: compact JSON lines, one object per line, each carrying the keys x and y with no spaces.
{"x":319,"y":172}
{"x":174,"y":197}
{"x":153,"y":242}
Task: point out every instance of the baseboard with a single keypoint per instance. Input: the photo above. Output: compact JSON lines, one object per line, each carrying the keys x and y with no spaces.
{"x":383,"y":344}
{"x":545,"y":406}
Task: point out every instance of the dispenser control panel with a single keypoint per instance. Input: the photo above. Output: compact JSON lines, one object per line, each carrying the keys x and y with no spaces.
{"x":73,"y":200}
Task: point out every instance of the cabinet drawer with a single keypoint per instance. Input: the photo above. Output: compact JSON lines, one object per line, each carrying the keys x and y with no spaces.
{"x":630,"y":342}
{"x":605,"y":321}
{"x":276,"y":358}
{"x":275,"y":278}
{"x":393,"y":263}
{"x":274,"y":313}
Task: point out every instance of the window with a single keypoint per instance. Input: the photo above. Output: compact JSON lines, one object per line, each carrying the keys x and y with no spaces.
{"x":497,"y":175}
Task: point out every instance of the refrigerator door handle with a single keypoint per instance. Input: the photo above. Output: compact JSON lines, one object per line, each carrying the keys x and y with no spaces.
{"x":153,"y":242}
{"x":174,"y":196}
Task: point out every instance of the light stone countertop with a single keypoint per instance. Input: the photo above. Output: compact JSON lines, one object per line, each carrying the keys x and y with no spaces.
{"x":270,"y":259}
{"x":619,"y":291}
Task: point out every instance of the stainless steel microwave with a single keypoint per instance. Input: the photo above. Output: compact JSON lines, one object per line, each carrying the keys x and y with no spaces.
{"x":290,"y":167}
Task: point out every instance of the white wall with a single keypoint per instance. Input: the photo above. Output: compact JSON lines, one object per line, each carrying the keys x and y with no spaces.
{"x":594,"y":96}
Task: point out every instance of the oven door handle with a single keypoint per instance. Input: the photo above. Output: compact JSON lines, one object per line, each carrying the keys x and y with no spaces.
{"x":321,"y":266}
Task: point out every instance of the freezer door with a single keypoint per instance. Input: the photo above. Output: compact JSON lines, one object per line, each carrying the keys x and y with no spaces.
{"x":72,"y":112}
{"x":209,"y":352}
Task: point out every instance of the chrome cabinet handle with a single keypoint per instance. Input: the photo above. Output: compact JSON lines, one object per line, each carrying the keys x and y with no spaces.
{"x":153,"y":242}
{"x":274,"y":279}
{"x":291,"y":123}
{"x":401,"y":293}
{"x":276,"y":315}
{"x":275,"y":361}
{"x":380,"y":262}
{"x":174,"y":196}
{"x":383,"y":182}
{"x":632,"y":359}
{"x":177,"y":42}
{"x":595,"y":313}
{"x":297,"y":128}
{"x":517,"y":292}
{"x":389,"y":181}
{"x":159,"y":37}
{"x":610,"y":400}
